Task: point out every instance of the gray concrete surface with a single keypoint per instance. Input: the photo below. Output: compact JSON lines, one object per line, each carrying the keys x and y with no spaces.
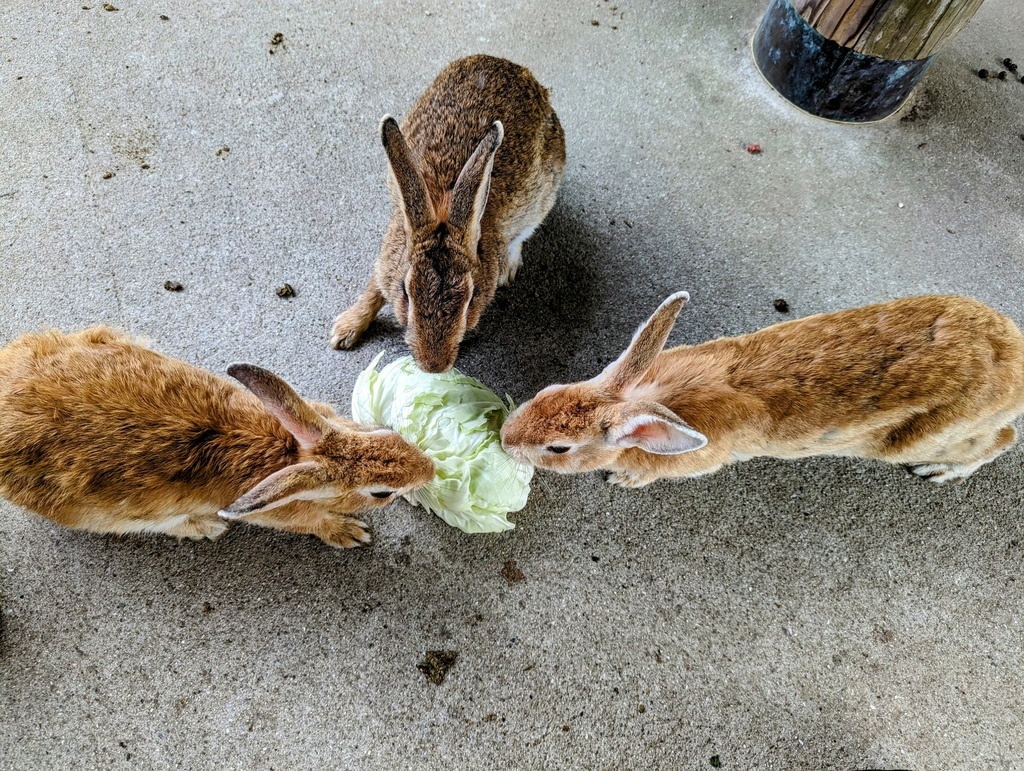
{"x":825,"y":614}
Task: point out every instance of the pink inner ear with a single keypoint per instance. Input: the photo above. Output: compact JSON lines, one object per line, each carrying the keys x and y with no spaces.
{"x":307,"y":436}
{"x":654,"y":431}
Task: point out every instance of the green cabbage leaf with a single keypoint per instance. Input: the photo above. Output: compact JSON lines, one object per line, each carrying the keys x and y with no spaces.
{"x":456,"y":420}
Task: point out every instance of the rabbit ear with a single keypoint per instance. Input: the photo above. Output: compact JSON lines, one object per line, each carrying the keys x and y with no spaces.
{"x":301,"y":420}
{"x":416,"y":203}
{"x":279,"y":488}
{"x":649,"y":340}
{"x":469,"y":196}
{"x":655,"y":429}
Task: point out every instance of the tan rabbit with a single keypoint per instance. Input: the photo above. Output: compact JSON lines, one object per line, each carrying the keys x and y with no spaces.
{"x":931,"y":382}
{"x":100,"y":433}
{"x":463,"y":208}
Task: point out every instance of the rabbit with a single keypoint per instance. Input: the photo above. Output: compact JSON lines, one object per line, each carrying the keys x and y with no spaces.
{"x":931,"y":382}
{"x":462,"y":207}
{"x":100,"y":433}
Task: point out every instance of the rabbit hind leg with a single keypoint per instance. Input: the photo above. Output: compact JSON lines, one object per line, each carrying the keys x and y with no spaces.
{"x":967,"y":456}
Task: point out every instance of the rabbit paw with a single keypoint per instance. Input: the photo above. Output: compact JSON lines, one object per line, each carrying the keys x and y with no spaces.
{"x":198,"y":529}
{"x":628,"y":479}
{"x":343,"y":532}
{"x":348,"y":328}
{"x":514,"y":257}
{"x":939,"y":473}
{"x":508,"y":274}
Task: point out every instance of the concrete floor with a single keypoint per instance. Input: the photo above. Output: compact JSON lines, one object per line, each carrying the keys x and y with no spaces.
{"x":824,"y":614}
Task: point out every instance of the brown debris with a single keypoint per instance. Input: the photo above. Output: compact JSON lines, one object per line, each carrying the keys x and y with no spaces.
{"x":436,"y":664}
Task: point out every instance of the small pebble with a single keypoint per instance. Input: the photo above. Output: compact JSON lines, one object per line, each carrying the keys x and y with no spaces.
{"x":781,"y":305}
{"x":164,"y":18}
{"x":595,"y":23}
{"x":108,"y":174}
{"x":754,"y":149}
{"x":173,"y":286}
{"x":109,"y":7}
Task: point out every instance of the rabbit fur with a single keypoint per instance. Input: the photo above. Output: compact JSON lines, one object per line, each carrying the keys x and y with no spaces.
{"x":473,"y":170}
{"x":931,"y":382}
{"x":100,"y":433}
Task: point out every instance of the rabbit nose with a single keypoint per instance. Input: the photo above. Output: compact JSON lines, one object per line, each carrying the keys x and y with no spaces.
{"x":434,"y":367}
{"x":435,"y":362}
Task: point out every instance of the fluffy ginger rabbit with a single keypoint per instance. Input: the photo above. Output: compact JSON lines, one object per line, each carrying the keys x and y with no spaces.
{"x":100,"y":433}
{"x":462,"y":206}
{"x":930,"y":382}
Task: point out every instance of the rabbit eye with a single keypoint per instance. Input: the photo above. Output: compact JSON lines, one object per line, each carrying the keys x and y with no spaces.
{"x":556,"y":449}
{"x":383,"y":494}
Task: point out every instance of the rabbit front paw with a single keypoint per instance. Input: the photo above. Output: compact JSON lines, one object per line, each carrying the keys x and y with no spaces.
{"x":629,"y":479}
{"x":348,"y":328}
{"x":343,"y":532}
{"x":198,"y":529}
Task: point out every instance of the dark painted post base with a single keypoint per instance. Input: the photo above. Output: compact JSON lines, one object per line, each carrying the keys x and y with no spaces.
{"x":824,"y":78}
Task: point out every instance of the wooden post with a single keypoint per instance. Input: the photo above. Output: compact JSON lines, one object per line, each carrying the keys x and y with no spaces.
{"x":889,"y":29}
{"x":854,"y":60}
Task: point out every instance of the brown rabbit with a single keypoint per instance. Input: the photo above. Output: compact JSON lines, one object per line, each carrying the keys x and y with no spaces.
{"x":462,"y":207}
{"x":931,"y":382}
{"x":100,"y":433}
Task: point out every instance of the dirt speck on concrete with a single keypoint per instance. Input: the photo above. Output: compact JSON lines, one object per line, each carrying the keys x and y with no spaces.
{"x":883,"y":634}
{"x":715,"y":761}
{"x":781,"y":305}
{"x":173,"y":286}
{"x":436,"y":664}
{"x":109,"y":7}
{"x":223,"y":151}
{"x":512,"y":573}
{"x":286,"y":291}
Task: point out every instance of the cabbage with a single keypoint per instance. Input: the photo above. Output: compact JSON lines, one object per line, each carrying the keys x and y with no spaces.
{"x":455,"y":420}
